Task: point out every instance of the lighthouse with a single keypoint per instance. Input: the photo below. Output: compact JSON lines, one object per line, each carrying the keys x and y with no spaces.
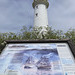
{"x":40,"y":15}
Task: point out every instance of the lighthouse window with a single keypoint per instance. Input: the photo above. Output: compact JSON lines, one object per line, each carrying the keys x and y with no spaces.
{"x":37,"y":7}
{"x":36,"y":14}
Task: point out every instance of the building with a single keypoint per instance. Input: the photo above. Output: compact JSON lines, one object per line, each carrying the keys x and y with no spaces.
{"x":40,"y":15}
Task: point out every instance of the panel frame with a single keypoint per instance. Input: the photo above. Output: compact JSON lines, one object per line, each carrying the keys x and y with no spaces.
{"x":69,"y":42}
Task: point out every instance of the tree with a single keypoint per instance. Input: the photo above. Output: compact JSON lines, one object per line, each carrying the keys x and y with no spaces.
{"x":70,"y":34}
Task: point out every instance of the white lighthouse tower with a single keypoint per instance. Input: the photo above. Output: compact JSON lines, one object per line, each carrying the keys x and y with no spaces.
{"x":40,"y":14}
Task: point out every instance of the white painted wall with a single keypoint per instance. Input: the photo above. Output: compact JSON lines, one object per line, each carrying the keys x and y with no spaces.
{"x":41,"y":20}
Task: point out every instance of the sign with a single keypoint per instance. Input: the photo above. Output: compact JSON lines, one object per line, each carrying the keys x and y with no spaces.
{"x":37,"y":59}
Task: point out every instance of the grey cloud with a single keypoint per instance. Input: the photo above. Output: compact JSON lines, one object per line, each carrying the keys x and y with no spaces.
{"x":16,"y":13}
{"x":61,"y":15}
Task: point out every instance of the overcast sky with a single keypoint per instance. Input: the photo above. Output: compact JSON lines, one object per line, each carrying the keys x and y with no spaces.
{"x":14,"y":14}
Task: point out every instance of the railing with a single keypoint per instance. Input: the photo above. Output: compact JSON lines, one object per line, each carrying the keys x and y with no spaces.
{"x":40,"y":1}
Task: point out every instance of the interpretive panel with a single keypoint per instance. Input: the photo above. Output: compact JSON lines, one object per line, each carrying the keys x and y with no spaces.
{"x":37,"y":59}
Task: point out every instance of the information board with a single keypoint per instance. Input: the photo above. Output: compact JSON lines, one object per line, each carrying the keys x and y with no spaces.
{"x":37,"y":59}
